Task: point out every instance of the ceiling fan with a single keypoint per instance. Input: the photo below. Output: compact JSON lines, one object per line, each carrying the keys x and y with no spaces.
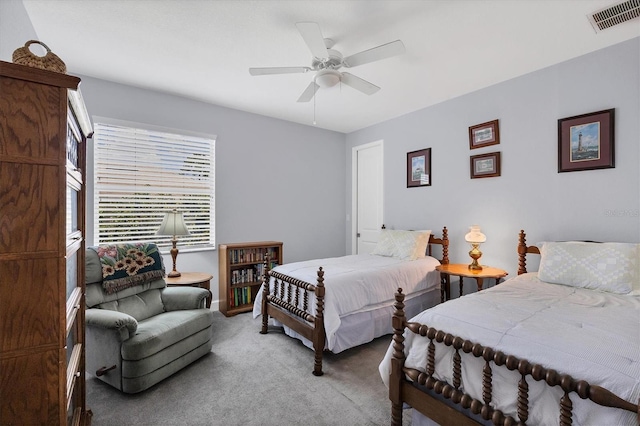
{"x":326,"y":62}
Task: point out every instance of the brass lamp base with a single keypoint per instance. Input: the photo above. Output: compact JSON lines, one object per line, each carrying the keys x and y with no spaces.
{"x":174,"y":256}
{"x":474,"y":266}
{"x":475,"y":254}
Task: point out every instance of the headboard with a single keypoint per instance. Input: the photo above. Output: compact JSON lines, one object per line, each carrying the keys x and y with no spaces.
{"x":444,"y":241}
{"x":523,"y":250}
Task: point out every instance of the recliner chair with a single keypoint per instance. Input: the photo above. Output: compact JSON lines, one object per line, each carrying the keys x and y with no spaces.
{"x":139,"y":335}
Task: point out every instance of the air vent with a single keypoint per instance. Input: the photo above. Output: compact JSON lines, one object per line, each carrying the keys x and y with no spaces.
{"x":614,"y":15}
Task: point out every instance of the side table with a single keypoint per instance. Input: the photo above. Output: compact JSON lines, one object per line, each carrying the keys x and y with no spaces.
{"x":462,"y":270}
{"x":193,"y":279}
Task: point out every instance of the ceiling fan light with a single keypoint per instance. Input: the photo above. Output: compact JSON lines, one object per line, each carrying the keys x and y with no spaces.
{"x":327,"y":78}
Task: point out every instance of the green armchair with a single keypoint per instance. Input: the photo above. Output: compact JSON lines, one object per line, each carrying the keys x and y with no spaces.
{"x":141,"y":333}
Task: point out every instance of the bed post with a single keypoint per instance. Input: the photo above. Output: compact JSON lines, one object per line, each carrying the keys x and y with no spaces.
{"x":319,"y":334}
{"x":522,"y":253}
{"x":445,"y":279}
{"x":397,"y":361}
{"x":445,"y":246}
{"x":265,"y":294}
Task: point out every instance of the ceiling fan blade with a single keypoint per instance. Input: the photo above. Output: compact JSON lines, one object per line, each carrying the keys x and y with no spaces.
{"x":278,"y":70}
{"x":312,"y":36}
{"x":375,"y":54}
{"x":309,"y":92}
{"x":359,"y":84}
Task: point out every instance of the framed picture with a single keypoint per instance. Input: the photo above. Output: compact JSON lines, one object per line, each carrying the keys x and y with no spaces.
{"x":419,"y":168}
{"x":484,"y":134}
{"x":586,"y":142}
{"x":485,"y":165}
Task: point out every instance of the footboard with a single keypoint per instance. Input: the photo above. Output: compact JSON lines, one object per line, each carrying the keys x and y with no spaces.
{"x":412,"y":386}
{"x":289,"y":303}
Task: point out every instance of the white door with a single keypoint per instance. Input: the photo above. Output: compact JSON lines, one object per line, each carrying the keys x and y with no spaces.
{"x":367,"y":196}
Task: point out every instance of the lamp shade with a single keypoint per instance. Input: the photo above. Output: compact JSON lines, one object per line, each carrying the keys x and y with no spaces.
{"x":474,"y":235}
{"x":173,"y":224}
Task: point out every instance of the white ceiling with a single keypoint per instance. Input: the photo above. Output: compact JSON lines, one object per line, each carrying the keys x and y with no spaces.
{"x":202,"y":49}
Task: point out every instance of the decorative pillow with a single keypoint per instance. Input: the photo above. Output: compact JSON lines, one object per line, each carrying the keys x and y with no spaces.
{"x":406,"y":245}
{"x":608,"y":267}
{"x":128,"y":265}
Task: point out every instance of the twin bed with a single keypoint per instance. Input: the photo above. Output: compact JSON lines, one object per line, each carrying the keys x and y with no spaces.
{"x":338,"y":303}
{"x":560,"y":346}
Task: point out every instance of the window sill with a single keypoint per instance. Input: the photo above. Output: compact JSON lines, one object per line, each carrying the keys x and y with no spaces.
{"x":182,"y":250}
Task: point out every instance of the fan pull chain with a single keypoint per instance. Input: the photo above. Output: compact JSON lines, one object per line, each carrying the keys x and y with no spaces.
{"x":314,"y":109}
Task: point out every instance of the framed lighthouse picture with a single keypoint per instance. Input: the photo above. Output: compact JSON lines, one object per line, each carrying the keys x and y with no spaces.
{"x":586,"y":142}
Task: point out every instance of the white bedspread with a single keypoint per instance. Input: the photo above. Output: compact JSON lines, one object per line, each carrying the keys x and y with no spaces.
{"x":591,"y":335}
{"x":356,"y":282}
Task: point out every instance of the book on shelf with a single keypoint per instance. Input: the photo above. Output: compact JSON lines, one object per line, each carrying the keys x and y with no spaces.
{"x":239,"y":296}
{"x":246,"y":275}
{"x":253,"y":255}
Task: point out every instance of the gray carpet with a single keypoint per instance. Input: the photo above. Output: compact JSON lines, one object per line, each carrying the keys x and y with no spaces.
{"x":254,"y":379}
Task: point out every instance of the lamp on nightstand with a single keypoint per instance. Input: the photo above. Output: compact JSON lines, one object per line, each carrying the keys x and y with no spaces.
{"x":173,"y":224}
{"x":475,"y":238}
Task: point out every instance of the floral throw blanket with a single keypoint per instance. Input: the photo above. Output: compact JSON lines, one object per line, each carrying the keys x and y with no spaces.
{"x":127,"y":265}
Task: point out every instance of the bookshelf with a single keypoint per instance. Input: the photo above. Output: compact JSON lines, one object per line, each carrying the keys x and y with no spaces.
{"x":241,"y":266}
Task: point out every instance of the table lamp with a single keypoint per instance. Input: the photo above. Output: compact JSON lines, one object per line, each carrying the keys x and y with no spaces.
{"x":173,"y":224}
{"x":475,"y":238}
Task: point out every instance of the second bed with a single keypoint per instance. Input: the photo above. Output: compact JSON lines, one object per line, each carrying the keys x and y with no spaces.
{"x":338,"y":303}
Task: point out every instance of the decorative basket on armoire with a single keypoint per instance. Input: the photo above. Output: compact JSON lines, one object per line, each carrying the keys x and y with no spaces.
{"x":24,"y":56}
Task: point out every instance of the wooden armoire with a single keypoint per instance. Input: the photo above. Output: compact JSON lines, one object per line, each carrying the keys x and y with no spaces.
{"x":43,"y":133}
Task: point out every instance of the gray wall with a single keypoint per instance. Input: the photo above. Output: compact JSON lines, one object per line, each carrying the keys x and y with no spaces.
{"x":275,"y":180}
{"x":15,"y":28}
{"x":530,"y":194}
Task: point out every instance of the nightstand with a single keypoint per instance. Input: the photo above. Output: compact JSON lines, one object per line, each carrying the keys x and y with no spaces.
{"x":462,"y":270}
{"x":193,"y":279}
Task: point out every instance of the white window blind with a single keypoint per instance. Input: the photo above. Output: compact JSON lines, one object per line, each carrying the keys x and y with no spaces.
{"x":140,"y":174}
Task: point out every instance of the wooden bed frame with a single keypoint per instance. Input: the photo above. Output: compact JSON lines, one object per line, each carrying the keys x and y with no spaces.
{"x":417,"y":389}
{"x":282,"y":304}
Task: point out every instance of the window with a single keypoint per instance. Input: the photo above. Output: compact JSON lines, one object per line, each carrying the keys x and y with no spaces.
{"x":140,"y":174}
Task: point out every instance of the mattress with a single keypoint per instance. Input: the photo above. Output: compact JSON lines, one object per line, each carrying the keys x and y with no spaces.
{"x":591,"y":335}
{"x":357,"y":284}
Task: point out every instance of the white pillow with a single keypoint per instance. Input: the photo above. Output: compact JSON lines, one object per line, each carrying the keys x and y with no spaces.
{"x":406,"y":245}
{"x":610,"y":267}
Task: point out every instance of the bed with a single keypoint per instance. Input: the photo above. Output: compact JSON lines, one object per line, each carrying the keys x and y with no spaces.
{"x":559,"y":346}
{"x":338,"y":303}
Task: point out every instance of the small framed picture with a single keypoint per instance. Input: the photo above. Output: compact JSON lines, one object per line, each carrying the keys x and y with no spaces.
{"x":586,"y":142}
{"x":419,"y":168}
{"x":484,"y":134}
{"x":485,"y":165}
